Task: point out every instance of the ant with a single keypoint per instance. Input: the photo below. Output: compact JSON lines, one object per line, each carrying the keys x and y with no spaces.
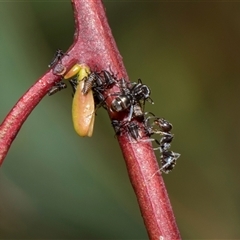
{"x":99,"y":82}
{"x":131,"y":127}
{"x":168,"y":161}
{"x":57,"y":57}
{"x":131,"y":94}
{"x":58,"y":87}
{"x":163,"y":127}
{"x":159,"y":126}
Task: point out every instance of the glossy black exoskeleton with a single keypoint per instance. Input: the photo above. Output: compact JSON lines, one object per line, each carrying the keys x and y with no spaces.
{"x":168,"y":161}
{"x":131,"y":94}
{"x":57,"y":57}
{"x":91,"y":81}
{"x":155,"y":125}
{"x":58,"y":87}
{"x":132,"y":128}
{"x":99,"y":82}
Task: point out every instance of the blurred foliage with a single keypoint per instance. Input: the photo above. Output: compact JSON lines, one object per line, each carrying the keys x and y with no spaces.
{"x":54,"y":184}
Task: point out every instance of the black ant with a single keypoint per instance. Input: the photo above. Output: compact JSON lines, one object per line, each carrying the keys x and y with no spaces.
{"x":163,"y":127}
{"x":168,"y":161}
{"x":131,"y":127}
{"x":57,"y":57}
{"x":99,"y":82}
{"x":159,"y":126}
{"x":58,"y":87}
{"x":131,"y":94}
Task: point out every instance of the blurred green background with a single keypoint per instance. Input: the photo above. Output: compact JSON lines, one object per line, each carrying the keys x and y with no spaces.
{"x":54,"y":184}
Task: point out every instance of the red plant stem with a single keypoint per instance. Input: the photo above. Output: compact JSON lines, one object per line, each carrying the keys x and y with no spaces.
{"x":94,"y":45}
{"x":95,"y":37}
{"x":19,"y":113}
{"x":150,"y":190}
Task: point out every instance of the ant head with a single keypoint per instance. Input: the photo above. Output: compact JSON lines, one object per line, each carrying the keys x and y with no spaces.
{"x":163,"y":124}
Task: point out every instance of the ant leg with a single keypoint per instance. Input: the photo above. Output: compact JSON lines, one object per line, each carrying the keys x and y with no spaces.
{"x":130,"y":113}
{"x":73,"y":82}
{"x":57,"y":57}
{"x":170,"y":158}
{"x":171,"y":162}
{"x":149,"y":140}
{"x":158,"y":143}
{"x":150,"y":100}
{"x":101,"y":102}
{"x":146,"y":121}
{"x":58,"y":87}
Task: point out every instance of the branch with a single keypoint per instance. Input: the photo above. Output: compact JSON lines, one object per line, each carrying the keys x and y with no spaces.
{"x":94,"y":45}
